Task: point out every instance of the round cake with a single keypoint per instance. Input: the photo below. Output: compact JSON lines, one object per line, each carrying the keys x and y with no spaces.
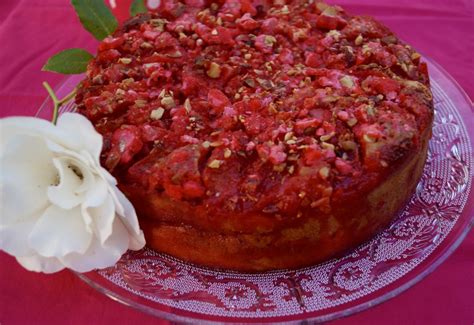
{"x":259,"y":135}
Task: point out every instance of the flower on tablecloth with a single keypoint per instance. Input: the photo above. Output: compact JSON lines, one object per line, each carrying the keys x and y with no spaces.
{"x":59,"y":207}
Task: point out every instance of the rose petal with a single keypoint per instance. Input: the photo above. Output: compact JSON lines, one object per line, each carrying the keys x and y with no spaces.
{"x":126,"y":209}
{"x":137,"y":241}
{"x":102,"y":218}
{"x":14,"y":238}
{"x":38,"y":263}
{"x":81,"y":134}
{"x":58,"y":140}
{"x":97,"y":194}
{"x":66,"y":194}
{"x":14,"y":126}
{"x":129,"y":218}
{"x":59,"y":232}
{"x":100,"y":256}
{"x":27,"y":171}
{"x":60,"y":151}
{"x":107,"y":176}
{"x":88,"y":177}
{"x":94,"y":197}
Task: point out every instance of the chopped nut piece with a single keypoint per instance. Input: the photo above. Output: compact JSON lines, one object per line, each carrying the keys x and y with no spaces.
{"x":326,"y":145}
{"x":146,"y":45}
{"x":247,"y":56}
{"x":216,"y":144}
{"x":415,"y":56}
{"x":227,"y":153}
{"x":214,"y":32}
{"x":125,"y":60}
{"x":176,"y":54}
{"x":128,"y":81}
{"x":366,"y":49}
{"x":140,"y":102}
{"x":214,"y":70}
{"x":300,"y":34}
{"x":288,"y":136}
{"x":159,"y":23}
{"x":279,"y":168}
{"x":334,"y":34}
{"x":324,"y":172}
{"x":404,"y":66}
{"x":215,"y":164}
{"x":368,"y":138}
{"x":157,"y":114}
{"x":326,"y":137}
{"x":98,"y":79}
{"x":179,"y":28}
{"x":250,"y":82}
{"x":389,"y":39}
{"x":272,"y":108}
{"x":266,"y":84}
{"x":269,"y":40}
{"x":329,"y":11}
{"x":168,"y":102}
{"x":206,"y":144}
{"x":187,"y":105}
{"x":352,"y":121}
{"x":370,"y":110}
{"x":347,"y":82}
{"x":359,"y":39}
{"x":321,"y":6}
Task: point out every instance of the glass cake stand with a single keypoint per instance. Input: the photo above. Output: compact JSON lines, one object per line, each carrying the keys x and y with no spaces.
{"x":430,"y":228}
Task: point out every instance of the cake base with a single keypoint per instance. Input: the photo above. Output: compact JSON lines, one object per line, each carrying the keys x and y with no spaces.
{"x":303,"y":242}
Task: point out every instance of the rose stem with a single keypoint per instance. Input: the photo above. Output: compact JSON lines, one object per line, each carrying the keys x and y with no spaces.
{"x":58,"y":102}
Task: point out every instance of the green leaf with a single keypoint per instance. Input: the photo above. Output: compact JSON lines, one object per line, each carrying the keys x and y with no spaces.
{"x":138,"y":7}
{"x":96,"y":17}
{"x":72,"y":61}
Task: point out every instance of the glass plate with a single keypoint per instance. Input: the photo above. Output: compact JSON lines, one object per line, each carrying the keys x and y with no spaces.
{"x":429,"y":229}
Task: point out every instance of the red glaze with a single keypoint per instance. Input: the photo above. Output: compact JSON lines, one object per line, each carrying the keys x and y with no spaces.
{"x":247,"y":107}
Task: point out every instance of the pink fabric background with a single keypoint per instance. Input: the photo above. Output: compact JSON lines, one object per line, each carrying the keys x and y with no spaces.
{"x":33,"y":30}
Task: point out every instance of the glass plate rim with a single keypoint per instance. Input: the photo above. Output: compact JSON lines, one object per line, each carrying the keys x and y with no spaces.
{"x":436,"y":258}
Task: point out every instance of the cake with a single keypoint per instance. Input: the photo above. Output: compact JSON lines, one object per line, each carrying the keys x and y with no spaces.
{"x":257,"y":135}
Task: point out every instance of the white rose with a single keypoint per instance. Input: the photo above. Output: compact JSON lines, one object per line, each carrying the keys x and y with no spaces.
{"x":59,"y":207}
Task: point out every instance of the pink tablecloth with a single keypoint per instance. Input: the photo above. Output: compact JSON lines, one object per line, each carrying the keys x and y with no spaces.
{"x":32,"y":30}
